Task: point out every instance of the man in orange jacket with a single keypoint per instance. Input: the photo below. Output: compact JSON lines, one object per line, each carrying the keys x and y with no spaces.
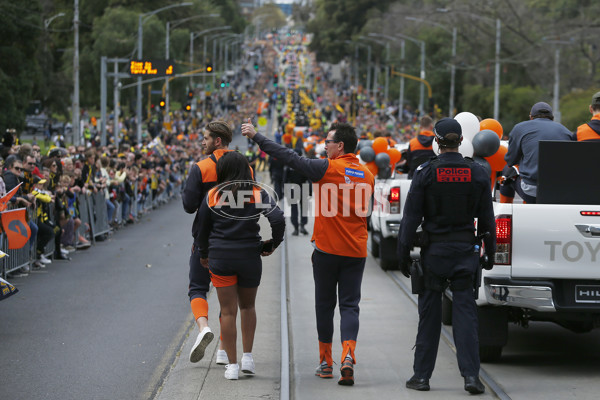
{"x":202,"y":177}
{"x":420,"y":148}
{"x":591,"y":130}
{"x":343,"y":190}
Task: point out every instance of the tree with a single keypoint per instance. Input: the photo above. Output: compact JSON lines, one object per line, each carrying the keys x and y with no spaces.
{"x":19,"y":70}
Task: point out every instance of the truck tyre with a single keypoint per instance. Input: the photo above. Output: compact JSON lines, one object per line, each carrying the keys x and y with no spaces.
{"x":446,"y":310}
{"x":374,"y":245}
{"x":387,"y":250}
{"x":493,"y":332}
{"x":490,"y":353}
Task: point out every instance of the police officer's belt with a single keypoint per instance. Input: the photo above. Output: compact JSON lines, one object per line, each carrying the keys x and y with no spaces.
{"x":460,"y":236}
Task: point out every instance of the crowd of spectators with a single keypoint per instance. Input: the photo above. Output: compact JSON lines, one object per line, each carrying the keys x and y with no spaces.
{"x":126,"y":175}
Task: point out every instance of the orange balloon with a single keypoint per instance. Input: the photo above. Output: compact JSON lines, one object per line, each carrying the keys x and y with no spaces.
{"x":492,"y":125}
{"x":496,"y":161}
{"x":287,"y":138}
{"x":372,"y":167}
{"x":395,"y":155}
{"x":380,"y":145}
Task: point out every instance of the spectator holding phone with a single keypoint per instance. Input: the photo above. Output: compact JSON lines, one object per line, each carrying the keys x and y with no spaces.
{"x":231,"y":247}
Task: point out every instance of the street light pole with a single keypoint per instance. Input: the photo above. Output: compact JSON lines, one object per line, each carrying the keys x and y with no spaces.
{"x":139,"y":54}
{"x":76,"y":130}
{"x":497,"y":73}
{"x":452,"y":74}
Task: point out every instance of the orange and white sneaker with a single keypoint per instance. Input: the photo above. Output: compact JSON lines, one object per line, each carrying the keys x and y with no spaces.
{"x":347,"y":372}
{"x":324,"y":371}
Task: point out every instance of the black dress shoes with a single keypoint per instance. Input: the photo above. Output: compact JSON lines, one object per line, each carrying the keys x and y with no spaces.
{"x":473,"y":385}
{"x":415,"y":383}
{"x":295,"y":233}
{"x":303,"y":230}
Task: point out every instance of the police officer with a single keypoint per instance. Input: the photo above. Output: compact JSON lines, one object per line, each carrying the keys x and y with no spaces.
{"x":446,"y":195}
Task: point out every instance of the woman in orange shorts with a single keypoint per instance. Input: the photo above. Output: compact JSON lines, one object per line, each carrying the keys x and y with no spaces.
{"x":231,"y":247}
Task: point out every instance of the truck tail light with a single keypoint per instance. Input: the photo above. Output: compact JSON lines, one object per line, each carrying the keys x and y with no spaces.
{"x":503,"y":239}
{"x":394,"y":200}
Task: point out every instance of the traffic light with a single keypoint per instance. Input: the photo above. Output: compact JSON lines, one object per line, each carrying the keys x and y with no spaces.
{"x":162,"y":103}
{"x":209,"y":67}
{"x":275,"y":80}
{"x":190,"y":94}
{"x":222,"y":83}
{"x":188,"y":107}
{"x":256,"y":66}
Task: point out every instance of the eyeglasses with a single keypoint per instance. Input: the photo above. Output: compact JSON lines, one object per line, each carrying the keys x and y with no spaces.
{"x":19,"y":169}
{"x":30,"y":163}
{"x":330,"y":141}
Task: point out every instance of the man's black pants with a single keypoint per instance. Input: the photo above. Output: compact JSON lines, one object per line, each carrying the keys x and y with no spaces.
{"x":345,"y":274}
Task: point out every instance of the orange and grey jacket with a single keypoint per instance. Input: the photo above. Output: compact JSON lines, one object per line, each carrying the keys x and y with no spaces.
{"x":202,"y":177}
{"x":589,"y":131}
{"x":420,"y":149}
{"x":230,"y":230}
{"x":343,"y":189}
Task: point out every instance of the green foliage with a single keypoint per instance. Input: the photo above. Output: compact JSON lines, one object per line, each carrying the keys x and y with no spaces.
{"x":574,"y":108}
{"x":271,"y":16}
{"x":516,"y":102}
{"x":19,"y":70}
{"x":336,"y":21}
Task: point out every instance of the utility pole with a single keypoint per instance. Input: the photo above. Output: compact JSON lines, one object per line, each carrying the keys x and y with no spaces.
{"x":76,"y":130}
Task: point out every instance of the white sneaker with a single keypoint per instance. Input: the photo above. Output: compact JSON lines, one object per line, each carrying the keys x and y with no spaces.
{"x":222,"y":358}
{"x":232,"y":371}
{"x":202,"y":341}
{"x":44,"y":259}
{"x":248,"y":363}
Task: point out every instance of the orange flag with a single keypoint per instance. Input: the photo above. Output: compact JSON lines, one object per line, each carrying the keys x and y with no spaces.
{"x":4,"y":200}
{"x":16,"y":228}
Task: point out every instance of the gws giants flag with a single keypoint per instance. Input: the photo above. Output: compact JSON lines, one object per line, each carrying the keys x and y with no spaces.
{"x":16,"y":228}
{"x":4,"y":200}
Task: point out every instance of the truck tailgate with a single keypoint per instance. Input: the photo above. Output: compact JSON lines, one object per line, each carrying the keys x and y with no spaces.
{"x":555,"y":241}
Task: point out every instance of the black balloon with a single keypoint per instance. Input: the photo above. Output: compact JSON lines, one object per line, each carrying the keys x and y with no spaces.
{"x":382,"y":160}
{"x":384,"y":173}
{"x":486,"y":143}
{"x":367,"y":154}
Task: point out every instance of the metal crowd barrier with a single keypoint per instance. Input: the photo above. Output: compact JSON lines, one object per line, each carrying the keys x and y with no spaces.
{"x":83,"y":205}
{"x":100,"y":217}
{"x":16,"y":258}
{"x":92,"y":212}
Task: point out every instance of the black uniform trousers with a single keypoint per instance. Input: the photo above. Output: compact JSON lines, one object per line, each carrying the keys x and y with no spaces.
{"x":345,"y":274}
{"x":199,"y":276}
{"x":456,"y":262}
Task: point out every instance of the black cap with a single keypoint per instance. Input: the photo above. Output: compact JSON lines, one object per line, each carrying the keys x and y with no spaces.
{"x":541,"y":110}
{"x":446,"y":126}
{"x":596,"y":100}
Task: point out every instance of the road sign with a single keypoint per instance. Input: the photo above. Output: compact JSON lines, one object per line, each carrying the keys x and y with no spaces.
{"x":151,"y":68}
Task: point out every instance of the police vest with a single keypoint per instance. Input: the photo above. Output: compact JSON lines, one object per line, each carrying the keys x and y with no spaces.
{"x":452,"y":198}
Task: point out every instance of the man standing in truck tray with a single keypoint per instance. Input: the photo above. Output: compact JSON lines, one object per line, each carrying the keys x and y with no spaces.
{"x":523,"y":147}
{"x":447,"y":193}
{"x":591,"y":130}
{"x":202,"y":177}
{"x":420,"y":148}
{"x":343,"y":191}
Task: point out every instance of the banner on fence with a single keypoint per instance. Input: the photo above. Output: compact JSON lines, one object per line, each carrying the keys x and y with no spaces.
{"x":16,"y":228}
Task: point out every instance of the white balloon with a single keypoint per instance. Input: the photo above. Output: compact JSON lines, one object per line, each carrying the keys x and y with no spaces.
{"x":469,"y":124}
{"x":319,"y":148}
{"x":466,"y":148}
{"x":436,"y":147}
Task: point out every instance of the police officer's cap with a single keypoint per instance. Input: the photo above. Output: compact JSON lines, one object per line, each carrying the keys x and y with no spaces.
{"x":445,"y":127}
